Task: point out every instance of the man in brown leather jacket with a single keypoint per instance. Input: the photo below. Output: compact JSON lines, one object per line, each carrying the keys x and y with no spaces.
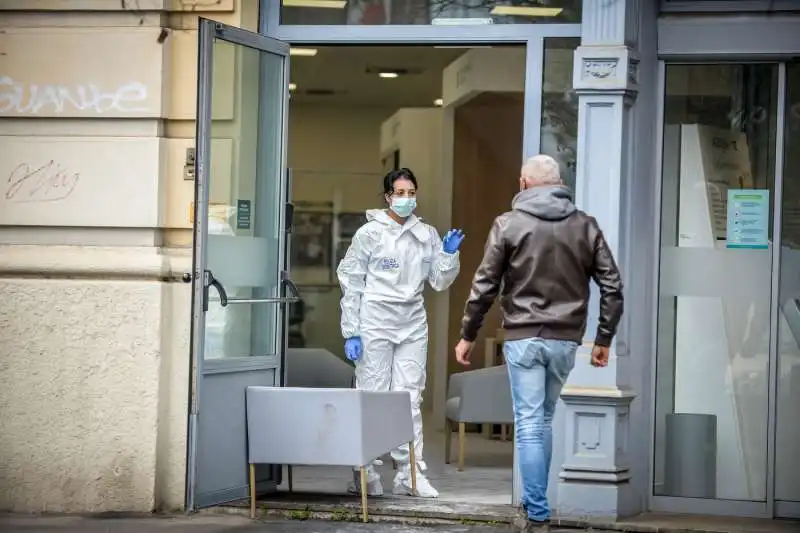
{"x":540,"y":258}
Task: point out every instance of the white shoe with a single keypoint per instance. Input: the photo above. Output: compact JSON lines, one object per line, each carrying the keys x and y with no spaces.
{"x":402,"y":485}
{"x":374,"y":485}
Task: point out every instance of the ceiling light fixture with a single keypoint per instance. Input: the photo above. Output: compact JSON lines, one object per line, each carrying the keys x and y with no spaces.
{"x":388,"y":75}
{"x":522,"y":11}
{"x":328,"y":4}
{"x":303,"y":52}
{"x":292,"y":86}
{"x":438,"y":102}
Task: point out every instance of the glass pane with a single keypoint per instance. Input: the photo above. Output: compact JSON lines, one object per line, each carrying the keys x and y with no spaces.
{"x":243,"y":216}
{"x":787,"y":482}
{"x":559,"y":133}
{"x":412,"y":12}
{"x":713,"y":324}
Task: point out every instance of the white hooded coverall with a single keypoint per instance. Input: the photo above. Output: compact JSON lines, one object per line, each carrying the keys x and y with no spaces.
{"x":382,"y":277}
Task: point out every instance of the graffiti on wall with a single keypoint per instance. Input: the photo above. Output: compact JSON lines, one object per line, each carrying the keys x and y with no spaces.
{"x":31,"y":98}
{"x":40,"y":183}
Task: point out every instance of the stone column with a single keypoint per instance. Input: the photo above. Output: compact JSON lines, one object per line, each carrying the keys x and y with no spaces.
{"x":595,"y":474}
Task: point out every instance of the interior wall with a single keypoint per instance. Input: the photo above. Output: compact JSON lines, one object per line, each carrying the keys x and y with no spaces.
{"x":336,"y":149}
{"x":486,"y":161}
{"x":334,"y":153}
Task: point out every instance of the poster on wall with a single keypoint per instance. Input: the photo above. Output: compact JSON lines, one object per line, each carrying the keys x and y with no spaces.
{"x":311,"y":239}
{"x":348,"y":225}
{"x":748,"y":218}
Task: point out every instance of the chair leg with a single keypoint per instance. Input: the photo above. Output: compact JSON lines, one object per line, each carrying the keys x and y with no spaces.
{"x":364,"y":509}
{"x":412,"y":456}
{"x":290,"y":478}
{"x":462,"y":437}
{"x":448,"y":441}
{"x":252,"y":491}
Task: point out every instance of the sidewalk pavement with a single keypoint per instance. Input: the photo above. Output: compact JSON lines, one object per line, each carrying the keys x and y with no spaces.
{"x":214,"y":524}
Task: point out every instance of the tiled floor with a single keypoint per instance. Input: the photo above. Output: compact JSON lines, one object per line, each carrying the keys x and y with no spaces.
{"x":487,"y":475}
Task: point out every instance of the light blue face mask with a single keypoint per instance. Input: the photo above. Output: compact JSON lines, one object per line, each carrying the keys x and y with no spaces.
{"x":403,"y":207}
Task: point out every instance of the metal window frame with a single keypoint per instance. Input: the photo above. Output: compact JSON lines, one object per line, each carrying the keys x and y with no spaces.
{"x":728,"y":6}
{"x":758,"y":36}
{"x":769,"y":508}
{"x":269,"y":24}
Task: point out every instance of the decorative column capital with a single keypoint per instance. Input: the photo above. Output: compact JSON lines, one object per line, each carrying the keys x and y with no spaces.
{"x":606,"y":70}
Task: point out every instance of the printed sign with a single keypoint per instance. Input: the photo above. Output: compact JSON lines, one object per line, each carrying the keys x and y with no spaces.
{"x":243,"y":214}
{"x":748,"y":218}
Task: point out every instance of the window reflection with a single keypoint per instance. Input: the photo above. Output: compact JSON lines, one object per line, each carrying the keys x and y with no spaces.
{"x":422,"y":12}
{"x":559,"y":129}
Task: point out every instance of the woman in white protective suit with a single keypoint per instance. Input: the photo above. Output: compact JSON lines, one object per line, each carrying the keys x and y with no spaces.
{"x":384,"y":324}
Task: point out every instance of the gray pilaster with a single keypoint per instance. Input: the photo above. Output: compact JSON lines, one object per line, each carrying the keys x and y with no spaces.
{"x":595,"y":475}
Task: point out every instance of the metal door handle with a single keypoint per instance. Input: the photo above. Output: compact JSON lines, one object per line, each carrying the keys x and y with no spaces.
{"x":287,"y":300}
{"x":225,"y":301}
{"x":210,"y":281}
{"x":290,"y":285}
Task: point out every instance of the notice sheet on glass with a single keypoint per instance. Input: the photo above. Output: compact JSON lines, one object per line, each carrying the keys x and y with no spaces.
{"x":748,"y":218}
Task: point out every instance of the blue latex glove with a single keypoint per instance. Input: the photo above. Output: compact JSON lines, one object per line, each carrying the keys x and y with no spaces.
{"x":452,"y":241}
{"x":353,"y":348}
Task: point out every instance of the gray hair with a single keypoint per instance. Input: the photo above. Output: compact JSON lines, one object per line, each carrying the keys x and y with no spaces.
{"x":541,"y":170}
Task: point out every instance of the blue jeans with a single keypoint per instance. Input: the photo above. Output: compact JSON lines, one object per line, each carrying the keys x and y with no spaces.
{"x":537,"y":369}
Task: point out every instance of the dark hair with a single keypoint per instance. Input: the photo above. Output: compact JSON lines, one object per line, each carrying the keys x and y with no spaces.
{"x":394,"y":175}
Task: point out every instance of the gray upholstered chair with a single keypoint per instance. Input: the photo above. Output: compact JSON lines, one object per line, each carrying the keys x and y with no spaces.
{"x":480,"y":396}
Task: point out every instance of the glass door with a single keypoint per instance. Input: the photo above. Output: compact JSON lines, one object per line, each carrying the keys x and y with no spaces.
{"x":713,"y":367}
{"x":239,"y":283}
{"x":728,"y":349}
{"x":787,"y":429}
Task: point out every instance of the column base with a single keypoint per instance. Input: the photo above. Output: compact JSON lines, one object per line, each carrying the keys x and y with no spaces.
{"x":595,"y":477}
{"x":603,"y":501}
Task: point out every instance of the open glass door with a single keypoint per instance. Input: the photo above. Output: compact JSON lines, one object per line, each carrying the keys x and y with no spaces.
{"x":240,"y":287}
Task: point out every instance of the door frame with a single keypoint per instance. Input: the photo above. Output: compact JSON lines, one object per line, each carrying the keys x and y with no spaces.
{"x":529,"y":35}
{"x":770,"y":507}
{"x":208,"y":32}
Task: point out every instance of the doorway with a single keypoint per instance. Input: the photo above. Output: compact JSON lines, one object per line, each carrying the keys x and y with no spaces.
{"x":252,"y":236}
{"x":357,"y":112}
{"x":728,"y":349}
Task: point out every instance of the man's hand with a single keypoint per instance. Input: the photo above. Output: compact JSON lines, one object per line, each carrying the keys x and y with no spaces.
{"x":463,"y":349}
{"x":599,"y":356}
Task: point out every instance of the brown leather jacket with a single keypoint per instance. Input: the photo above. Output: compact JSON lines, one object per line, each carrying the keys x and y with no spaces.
{"x":540,"y":258}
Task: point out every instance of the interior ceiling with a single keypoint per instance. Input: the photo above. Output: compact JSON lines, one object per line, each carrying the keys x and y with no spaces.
{"x":344,"y":71}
